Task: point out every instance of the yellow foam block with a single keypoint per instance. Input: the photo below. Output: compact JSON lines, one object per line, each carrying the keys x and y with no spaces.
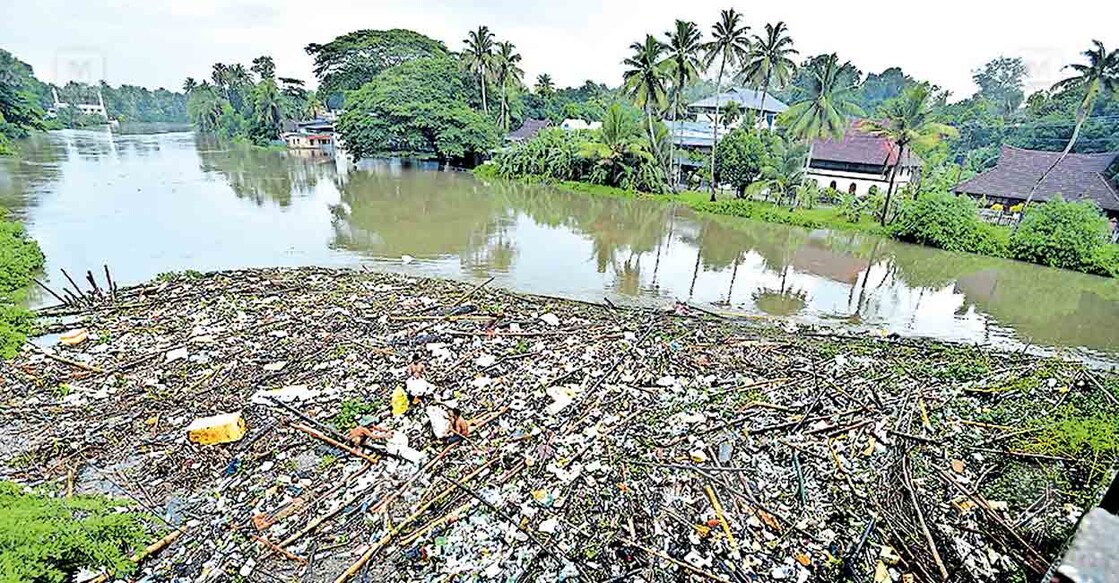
{"x":217,"y":429}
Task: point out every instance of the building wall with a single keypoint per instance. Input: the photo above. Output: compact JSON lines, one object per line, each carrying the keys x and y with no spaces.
{"x":862,"y":182}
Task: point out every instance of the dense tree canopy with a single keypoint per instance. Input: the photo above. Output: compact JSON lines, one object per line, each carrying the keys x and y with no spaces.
{"x":20,"y":94}
{"x":353,"y":59}
{"x":418,"y":106}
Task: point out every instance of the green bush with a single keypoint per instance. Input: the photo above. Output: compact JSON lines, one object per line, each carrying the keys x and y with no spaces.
{"x":553,"y":153}
{"x":1105,"y":260}
{"x":1060,"y":233}
{"x":20,"y":258}
{"x":948,"y":222}
{"x":49,"y":539}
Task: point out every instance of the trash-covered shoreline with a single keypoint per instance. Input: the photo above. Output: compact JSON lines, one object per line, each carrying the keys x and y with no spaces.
{"x":603,"y":443}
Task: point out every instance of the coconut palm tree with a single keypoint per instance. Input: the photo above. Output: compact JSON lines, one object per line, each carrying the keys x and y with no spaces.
{"x":681,"y":65}
{"x":1099,"y":76}
{"x":479,"y":58}
{"x":732,"y":114}
{"x":728,"y":46}
{"x":783,"y":172}
{"x":827,"y":103}
{"x":544,"y":84}
{"x":770,"y":62}
{"x":907,"y":121}
{"x":189,"y":85}
{"x":507,"y":72}
{"x":644,"y":78}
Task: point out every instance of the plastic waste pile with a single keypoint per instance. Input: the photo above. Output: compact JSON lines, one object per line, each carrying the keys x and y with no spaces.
{"x":301,"y":424}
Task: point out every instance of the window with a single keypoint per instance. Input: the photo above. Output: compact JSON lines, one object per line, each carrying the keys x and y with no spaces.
{"x":873,"y":190}
{"x":832,"y":185}
{"x":852,"y":189}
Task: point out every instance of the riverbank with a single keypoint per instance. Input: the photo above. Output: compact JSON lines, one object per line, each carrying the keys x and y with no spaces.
{"x":604,"y":440}
{"x":929,"y":226}
{"x":20,"y":259}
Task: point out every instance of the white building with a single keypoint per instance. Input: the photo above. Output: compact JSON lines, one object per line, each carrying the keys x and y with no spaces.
{"x":860,"y":164}
{"x":84,"y":108}
{"x":571,"y":125}
{"x":752,"y":103}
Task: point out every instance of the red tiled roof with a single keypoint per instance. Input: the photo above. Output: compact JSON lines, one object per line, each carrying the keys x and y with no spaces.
{"x":859,"y":147}
{"x":1077,"y":177}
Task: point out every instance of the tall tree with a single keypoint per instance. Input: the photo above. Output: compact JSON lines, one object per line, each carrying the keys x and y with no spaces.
{"x":267,"y":111}
{"x":544,"y":84}
{"x":728,"y":46}
{"x":907,"y":121}
{"x":189,"y":84}
{"x":644,"y":78}
{"x":770,"y":62}
{"x":508,"y":74}
{"x":1099,"y":76}
{"x":353,"y":59}
{"x":682,"y":67}
{"x":479,"y":58}
{"x":1001,"y":81}
{"x":264,"y":67}
{"x":828,"y":101}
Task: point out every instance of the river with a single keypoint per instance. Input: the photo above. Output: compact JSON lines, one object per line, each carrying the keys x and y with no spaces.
{"x":147,"y":202}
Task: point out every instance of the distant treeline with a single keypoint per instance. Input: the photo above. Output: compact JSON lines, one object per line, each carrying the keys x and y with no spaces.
{"x":128,"y":102}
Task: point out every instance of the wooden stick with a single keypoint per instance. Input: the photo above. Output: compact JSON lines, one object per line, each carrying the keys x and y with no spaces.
{"x":51,"y":292}
{"x":676,"y":562}
{"x":109,"y":282}
{"x":908,"y":483}
{"x":63,"y":360}
{"x":81,"y":294}
{"x":151,"y":549}
{"x":272,"y":546}
{"x":331,"y":441}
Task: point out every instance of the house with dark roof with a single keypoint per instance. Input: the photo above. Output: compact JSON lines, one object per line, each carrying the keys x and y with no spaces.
{"x":860,"y":163}
{"x":751,"y":102}
{"x":1077,"y":177}
{"x":528,"y":130}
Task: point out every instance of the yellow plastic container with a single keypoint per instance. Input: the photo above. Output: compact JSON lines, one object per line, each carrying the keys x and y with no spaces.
{"x":399,"y":402}
{"x":74,"y":337}
{"x":225,"y":428}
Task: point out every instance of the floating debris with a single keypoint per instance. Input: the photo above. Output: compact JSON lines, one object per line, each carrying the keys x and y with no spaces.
{"x":393,"y":432}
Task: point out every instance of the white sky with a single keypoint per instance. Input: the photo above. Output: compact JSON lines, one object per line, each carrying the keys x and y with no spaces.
{"x":160,"y":42}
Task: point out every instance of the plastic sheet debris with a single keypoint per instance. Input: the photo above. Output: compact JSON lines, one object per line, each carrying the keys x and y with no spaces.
{"x":224,"y":428}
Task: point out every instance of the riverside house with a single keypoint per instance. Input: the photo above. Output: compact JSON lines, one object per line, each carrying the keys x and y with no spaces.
{"x":860,"y":164}
{"x":1077,"y":177}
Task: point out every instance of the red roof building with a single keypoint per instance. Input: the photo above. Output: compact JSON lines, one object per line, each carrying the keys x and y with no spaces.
{"x":860,"y":163}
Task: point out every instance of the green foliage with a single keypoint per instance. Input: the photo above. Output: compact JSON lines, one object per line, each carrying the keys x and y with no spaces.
{"x":947,"y":222}
{"x":353,"y":59}
{"x":740,"y":157}
{"x":783,"y":170}
{"x":47,"y":539}
{"x":553,"y":154}
{"x":1060,"y":233}
{"x":587,"y":102}
{"x":20,"y":258}
{"x":352,"y":410}
{"x":418,"y":106}
{"x":128,"y":102}
{"x":617,"y":155}
{"x":20,"y":96}
{"x":1105,"y":260}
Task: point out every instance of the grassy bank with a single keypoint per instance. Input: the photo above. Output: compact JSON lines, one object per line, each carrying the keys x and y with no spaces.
{"x":940,"y":221}
{"x":20,"y":258}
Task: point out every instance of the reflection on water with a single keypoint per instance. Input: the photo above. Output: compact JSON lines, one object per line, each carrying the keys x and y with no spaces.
{"x":146,"y":203}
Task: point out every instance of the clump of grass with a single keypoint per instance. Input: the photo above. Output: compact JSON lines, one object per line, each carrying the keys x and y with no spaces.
{"x":20,"y":258}
{"x":354,"y":409}
{"x":1095,"y":436}
{"x":43,"y":538}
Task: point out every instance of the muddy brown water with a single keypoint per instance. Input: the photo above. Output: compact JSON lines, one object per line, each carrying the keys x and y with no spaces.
{"x":146,"y":201}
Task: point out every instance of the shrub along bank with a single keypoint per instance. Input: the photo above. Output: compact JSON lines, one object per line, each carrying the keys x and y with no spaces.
{"x":20,"y":258}
{"x":1058,"y":233}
